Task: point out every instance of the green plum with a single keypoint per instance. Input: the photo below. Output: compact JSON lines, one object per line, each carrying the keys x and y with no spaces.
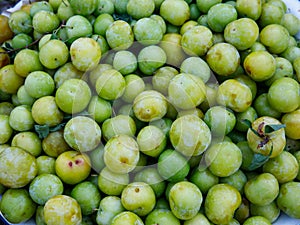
{"x":186,"y":91}
{"x":112,"y":183}
{"x":88,"y":197}
{"x":241,"y":33}
{"x":54,"y":144}
{"x":18,"y":169}
{"x":197,"y":40}
{"x":16,"y":205}
{"x":270,"y":211}
{"x":223,"y":59}
{"x":127,"y":217}
{"x":162,"y":217}
{"x":62,"y":209}
{"x":151,"y":176}
{"x":221,"y":198}
{"x":82,"y":133}
{"x":234,"y":95}
{"x":73,"y":96}
{"x":172,"y":166}
{"x":109,"y":207}
{"x":45,"y":186}
{"x":149,"y":106}
{"x":178,"y":15}
{"x":27,"y":61}
{"x":121,"y":153}
{"x":284,"y":167}
{"x":72,"y":167}
{"x":10,"y":80}
{"x":6,"y":131}
{"x":28,"y":141}
{"x":223,"y":158}
{"x":190,"y":135}
{"x":46,"y":112}
{"x":185,"y":200}
{"x":151,"y":140}
{"x":288,"y":197}
{"x":85,"y":53}
{"x":139,"y":198}
{"x":110,"y":84}
{"x":262,"y":189}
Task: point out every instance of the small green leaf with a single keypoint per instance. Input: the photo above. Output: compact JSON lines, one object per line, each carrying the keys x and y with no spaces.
{"x":273,"y":127}
{"x":42,"y":130}
{"x":248,"y":123}
{"x":53,"y":36}
{"x":57,"y":127}
{"x":257,"y":161}
{"x":124,"y":17}
{"x":8,"y":46}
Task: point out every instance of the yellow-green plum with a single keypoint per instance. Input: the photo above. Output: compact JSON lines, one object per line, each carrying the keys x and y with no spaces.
{"x":72,"y":167}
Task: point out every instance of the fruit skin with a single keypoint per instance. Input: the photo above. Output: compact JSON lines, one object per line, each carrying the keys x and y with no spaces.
{"x":186,"y":91}
{"x":172,"y":166}
{"x":53,"y":54}
{"x":284,"y":167}
{"x":241,"y":33}
{"x":85,"y":53}
{"x":139,"y":198}
{"x":185,"y":200}
{"x":10,"y":81}
{"x":44,"y":187}
{"x":262,"y":189}
{"x":121,"y":154}
{"x":290,"y":101}
{"x":292,"y":124}
{"x":20,"y":22}
{"x":149,"y":106}
{"x":17,"y":206}
{"x":288,"y":199}
{"x":192,"y":130}
{"x":73,"y":96}
{"x":127,"y":217}
{"x":88,"y":197}
{"x":6,"y":130}
{"x":223,"y":158}
{"x":70,"y":163}
{"x":221,"y":198}
{"x":162,"y":217}
{"x":82,"y":133}
{"x":109,"y":207}
{"x":260,"y":65}
{"x":18,"y":167}
{"x":178,"y":15}
{"x":6,"y":32}
{"x":62,"y":209}
{"x":234,"y":95}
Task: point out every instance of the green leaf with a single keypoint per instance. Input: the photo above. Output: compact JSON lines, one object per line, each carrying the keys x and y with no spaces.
{"x":53,"y":36}
{"x":8,"y":46}
{"x":124,"y":17}
{"x":248,"y":123}
{"x":42,"y":130}
{"x":257,"y":161}
{"x":273,"y":127}
{"x":57,"y":127}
